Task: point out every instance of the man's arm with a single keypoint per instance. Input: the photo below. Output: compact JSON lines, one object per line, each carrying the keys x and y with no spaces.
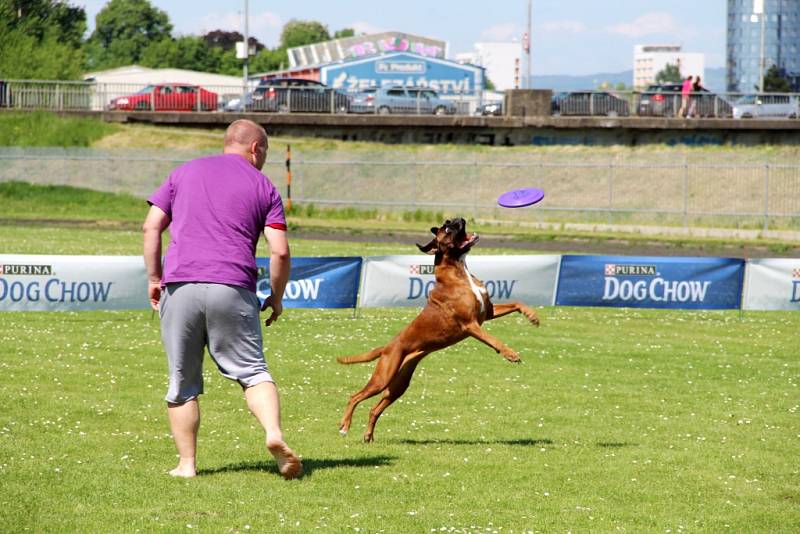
{"x":279,"y":268}
{"x":154,"y":225}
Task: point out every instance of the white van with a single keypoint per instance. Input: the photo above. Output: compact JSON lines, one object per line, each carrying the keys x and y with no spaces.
{"x":767,"y":107}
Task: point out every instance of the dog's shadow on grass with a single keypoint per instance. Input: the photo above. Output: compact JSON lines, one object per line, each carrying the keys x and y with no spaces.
{"x":309,"y":465}
{"x":525,"y":442}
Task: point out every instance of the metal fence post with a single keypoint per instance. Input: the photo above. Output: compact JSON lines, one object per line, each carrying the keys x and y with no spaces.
{"x":476,"y":190}
{"x":610,"y":192}
{"x":766,"y":197}
{"x":686,"y":192}
{"x":414,"y":185}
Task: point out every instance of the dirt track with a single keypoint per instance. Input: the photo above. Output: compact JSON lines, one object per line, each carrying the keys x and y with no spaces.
{"x":583,"y":246}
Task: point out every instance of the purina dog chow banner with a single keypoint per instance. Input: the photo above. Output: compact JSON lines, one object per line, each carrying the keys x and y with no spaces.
{"x":772,"y":284}
{"x":650,"y":282}
{"x":407,"y":280}
{"x":70,"y":283}
{"x":315,"y":282}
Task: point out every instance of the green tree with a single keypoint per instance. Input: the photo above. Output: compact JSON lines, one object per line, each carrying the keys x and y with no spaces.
{"x":228,"y":40}
{"x":344,"y":32}
{"x":669,"y":74}
{"x":188,"y":52}
{"x":124,"y":29}
{"x":303,"y":32}
{"x":775,"y":81}
{"x":41,"y":39}
{"x":268,"y":60}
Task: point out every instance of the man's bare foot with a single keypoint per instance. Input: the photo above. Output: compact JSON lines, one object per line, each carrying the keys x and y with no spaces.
{"x":183,"y":472}
{"x":289,"y":464}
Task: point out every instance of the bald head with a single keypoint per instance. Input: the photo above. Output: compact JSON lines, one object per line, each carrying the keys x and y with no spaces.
{"x":247,"y":139}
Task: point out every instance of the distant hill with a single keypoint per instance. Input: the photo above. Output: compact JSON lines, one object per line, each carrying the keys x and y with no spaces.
{"x":715,"y":80}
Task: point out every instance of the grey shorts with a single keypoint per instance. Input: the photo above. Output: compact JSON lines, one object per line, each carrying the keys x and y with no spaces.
{"x":223,"y":318}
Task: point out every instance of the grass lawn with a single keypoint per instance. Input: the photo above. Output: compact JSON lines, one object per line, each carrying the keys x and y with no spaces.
{"x":618,"y":420}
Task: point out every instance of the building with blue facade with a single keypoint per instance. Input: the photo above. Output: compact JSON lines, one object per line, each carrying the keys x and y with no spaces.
{"x":448,"y":78}
{"x":781,"y":42}
{"x":387,"y":59}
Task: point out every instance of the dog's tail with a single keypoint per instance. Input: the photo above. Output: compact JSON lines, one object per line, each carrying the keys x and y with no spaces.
{"x":374,"y":354}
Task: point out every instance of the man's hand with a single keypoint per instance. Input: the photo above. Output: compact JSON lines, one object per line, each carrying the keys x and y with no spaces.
{"x":277,"y":309}
{"x":154,"y":292}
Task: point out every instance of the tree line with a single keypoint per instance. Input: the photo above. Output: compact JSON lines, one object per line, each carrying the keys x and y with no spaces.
{"x":45,"y":40}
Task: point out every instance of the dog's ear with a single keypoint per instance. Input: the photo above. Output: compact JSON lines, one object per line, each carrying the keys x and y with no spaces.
{"x":430,"y":248}
{"x":434,"y":230}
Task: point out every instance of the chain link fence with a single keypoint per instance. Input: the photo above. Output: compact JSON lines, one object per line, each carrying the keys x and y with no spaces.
{"x":644,"y":189}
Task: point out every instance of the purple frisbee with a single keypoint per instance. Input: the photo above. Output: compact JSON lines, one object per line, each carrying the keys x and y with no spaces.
{"x":519,"y":198}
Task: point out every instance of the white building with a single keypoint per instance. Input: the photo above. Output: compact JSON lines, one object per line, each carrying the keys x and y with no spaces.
{"x":649,"y":60}
{"x":502,"y":61}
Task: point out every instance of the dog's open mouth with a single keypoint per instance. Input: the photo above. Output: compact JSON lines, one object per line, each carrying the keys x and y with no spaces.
{"x":468,"y":241}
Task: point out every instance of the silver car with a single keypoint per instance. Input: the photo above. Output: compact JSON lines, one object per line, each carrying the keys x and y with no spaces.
{"x":410,"y":100}
{"x":767,"y":107}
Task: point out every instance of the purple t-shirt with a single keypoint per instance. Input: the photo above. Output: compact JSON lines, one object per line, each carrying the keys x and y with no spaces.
{"x":218,"y":207}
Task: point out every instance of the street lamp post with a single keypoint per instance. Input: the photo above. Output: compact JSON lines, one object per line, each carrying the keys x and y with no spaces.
{"x":758,"y":9}
{"x":528,"y":84}
{"x":246,"y":58}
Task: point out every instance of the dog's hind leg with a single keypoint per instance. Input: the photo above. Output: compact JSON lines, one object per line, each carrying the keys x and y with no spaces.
{"x":483,"y":336}
{"x":394,"y":391}
{"x":385,"y":370}
{"x":504,"y":309}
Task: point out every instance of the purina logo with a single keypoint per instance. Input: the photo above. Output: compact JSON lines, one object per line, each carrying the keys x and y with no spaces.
{"x":26,"y":270}
{"x":796,"y":272}
{"x":613,"y":269}
{"x":420,"y":269}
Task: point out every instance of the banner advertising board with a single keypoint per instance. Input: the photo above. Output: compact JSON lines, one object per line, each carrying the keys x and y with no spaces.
{"x":650,"y":282}
{"x":315,"y":282}
{"x":407,"y":280}
{"x":68,"y":283}
{"x":772,"y":284}
{"x":408,"y":70}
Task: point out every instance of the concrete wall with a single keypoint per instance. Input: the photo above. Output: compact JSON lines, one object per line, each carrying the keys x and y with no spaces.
{"x":505,"y":131}
{"x":528,"y":102}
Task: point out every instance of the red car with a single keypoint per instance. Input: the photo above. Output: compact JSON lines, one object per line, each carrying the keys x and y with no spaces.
{"x":167,"y":97}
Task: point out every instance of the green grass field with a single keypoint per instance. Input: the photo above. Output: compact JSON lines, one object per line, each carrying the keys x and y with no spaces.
{"x":618,"y":420}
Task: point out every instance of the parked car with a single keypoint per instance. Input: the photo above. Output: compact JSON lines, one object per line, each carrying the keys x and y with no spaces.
{"x":286,"y":95}
{"x":397,"y":99}
{"x":589,"y":103}
{"x":767,"y":106}
{"x":167,"y":97}
{"x":664,"y":100}
{"x":491,"y":108}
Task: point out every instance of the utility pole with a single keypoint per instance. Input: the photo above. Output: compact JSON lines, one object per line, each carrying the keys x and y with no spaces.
{"x":758,"y":9}
{"x":245,"y":77}
{"x":528,"y":83}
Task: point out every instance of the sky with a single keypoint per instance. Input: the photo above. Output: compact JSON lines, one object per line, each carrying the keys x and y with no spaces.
{"x":575,"y":37}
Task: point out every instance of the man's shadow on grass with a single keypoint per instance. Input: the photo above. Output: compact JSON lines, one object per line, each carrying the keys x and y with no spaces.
{"x":525,"y":442}
{"x":309,"y":465}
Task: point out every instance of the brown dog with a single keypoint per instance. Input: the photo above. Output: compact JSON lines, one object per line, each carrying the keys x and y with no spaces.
{"x":457,"y":306}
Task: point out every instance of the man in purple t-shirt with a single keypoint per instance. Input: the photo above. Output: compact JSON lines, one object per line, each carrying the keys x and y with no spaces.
{"x":216,"y":208}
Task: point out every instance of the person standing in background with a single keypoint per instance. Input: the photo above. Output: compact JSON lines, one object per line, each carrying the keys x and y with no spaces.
{"x":686,"y":89}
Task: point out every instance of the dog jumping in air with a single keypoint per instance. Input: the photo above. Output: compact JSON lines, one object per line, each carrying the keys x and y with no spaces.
{"x":457,"y":306}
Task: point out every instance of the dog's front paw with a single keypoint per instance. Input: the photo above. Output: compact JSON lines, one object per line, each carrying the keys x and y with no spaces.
{"x":512,"y":356}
